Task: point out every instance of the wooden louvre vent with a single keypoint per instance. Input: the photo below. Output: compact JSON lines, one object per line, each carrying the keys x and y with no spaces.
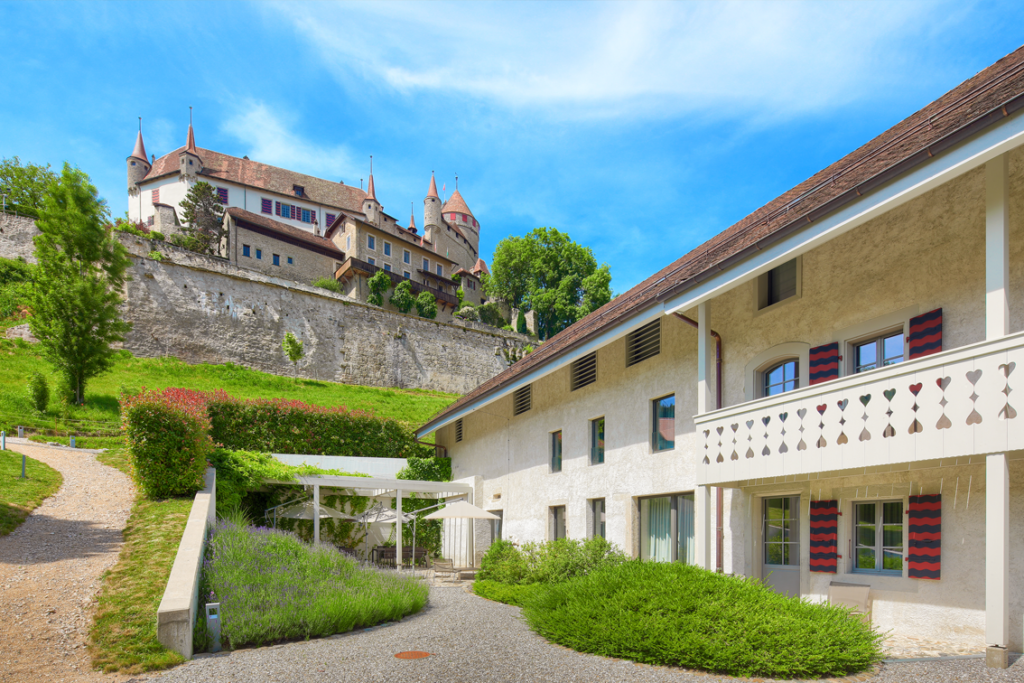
{"x":458,"y":430}
{"x":643,"y":343}
{"x":583,"y":371}
{"x":522,"y":400}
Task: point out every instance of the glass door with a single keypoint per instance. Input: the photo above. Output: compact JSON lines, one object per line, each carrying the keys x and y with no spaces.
{"x":780,"y":539}
{"x":666,"y":528}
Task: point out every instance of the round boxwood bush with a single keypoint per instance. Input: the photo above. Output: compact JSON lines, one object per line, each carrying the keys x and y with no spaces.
{"x":679,"y":615}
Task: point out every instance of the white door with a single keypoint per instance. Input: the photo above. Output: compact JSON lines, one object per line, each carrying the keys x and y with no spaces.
{"x":780,"y":541}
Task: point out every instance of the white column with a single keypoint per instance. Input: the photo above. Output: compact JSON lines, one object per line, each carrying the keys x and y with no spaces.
{"x":316,"y":514}
{"x":702,"y":540}
{"x":398,"y":529}
{"x":704,"y":350}
{"x":997,"y":550}
{"x":997,"y":249}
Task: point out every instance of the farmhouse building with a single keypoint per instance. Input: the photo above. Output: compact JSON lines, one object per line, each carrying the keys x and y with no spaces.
{"x":825,"y":393}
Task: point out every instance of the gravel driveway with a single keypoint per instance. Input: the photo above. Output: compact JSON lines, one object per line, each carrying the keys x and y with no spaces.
{"x":475,"y":640}
{"x":50,"y":568}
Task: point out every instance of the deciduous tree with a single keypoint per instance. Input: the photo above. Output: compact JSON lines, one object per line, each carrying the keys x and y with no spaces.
{"x":24,"y":186}
{"x":402,"y":297}
{"x":426,"y":305}
{"x":379,"y":283}
{"x":293,"y":349}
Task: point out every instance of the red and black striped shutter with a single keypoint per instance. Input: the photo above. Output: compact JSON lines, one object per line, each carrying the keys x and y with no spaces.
{"x":222,"y":195}
{"x":824,"y":535}
{"x":824,"y":363}
{"x":277,"y":208}
{"x":925,"y":536}
{"x":266,"y":206}
{"x":926,"y":334}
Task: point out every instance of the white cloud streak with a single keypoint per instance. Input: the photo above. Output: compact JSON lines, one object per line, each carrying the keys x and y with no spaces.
{"x":612,"y":59}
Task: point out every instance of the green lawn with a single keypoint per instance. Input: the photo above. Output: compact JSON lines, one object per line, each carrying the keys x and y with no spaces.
{"x":18,"y":497}
{"x":99,"y":416}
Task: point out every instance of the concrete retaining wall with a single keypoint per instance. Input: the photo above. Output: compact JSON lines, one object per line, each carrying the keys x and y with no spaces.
{"x":176,"y":615}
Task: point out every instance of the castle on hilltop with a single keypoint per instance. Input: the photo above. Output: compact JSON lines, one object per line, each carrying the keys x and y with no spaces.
{"x":298,"y":227}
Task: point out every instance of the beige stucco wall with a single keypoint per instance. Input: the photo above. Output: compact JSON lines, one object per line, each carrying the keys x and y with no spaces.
{"x":307,"y":265}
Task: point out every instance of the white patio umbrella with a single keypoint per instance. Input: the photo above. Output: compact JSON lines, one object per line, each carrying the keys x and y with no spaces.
{"x":461,"y":510}
{"x":304,"y":510}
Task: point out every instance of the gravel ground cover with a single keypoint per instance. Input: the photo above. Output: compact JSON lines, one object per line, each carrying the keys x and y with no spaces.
{"x":50,"y":568}
{"x":475,"y":640}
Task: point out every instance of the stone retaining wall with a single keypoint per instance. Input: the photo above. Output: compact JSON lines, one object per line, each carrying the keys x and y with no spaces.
{"x":16,"y":233}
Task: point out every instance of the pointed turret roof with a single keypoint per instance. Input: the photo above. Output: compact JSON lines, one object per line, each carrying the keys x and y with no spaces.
{"x":480,"y":267}
{"x":457,"y":203}
{"x":412,"y":221}
{"x":140,"y":149}
{"x":432,"y":192}
{"x":190,"y":145}
{"x":370,"y":194}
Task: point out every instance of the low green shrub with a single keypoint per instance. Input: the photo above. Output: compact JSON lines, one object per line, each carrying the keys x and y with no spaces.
{"x":490,"y":314}
{"x":548,"y":562}
{"x":14,"y":270}
{"x":328,"y":283}
{"x":156,"y":235}
{"x":155,"y":255}
{"x":503,"y":592}
{"x":426,"y":305}
{"x":680,"y":615}
{"x":168,"y":435}
{"x":38,"y":391}
{"x":273,"y":587}
{"x":379,"y":283}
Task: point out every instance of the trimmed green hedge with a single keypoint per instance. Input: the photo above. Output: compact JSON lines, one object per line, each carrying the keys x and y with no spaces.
{"x":680,"y":615}
{"x":503,"y":592}
{"x":548,"y":562}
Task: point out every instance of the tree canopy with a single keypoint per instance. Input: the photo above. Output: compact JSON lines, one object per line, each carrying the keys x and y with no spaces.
{"x":547,"y":272}
{"x":203,"y":216}
{"x":24,"y":185}
{"x":78,"y":282}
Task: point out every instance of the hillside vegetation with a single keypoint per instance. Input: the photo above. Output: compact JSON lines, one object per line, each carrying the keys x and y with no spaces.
{"x":99,"y":415}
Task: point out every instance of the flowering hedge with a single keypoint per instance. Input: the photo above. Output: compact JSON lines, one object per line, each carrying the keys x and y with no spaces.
{"x":168,"y":434}
{"x":283,"y":426}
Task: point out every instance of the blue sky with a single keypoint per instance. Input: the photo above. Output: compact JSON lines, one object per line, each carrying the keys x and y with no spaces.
{"x":639,"y":129}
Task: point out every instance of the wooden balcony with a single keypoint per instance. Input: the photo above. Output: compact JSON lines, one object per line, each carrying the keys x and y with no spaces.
{"x":353,"y":266}
{"x":949,"y":405}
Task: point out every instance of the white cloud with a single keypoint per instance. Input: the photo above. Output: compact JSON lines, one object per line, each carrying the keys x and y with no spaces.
{"x":620,"y":59}
{"x":270,"y":140}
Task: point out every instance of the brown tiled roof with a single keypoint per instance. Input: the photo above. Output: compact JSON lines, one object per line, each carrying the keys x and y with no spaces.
{"x":463,"y":271}
{"x":456,"y":203}
{"x":190,"y":144}
{"x":140,"y":149}
{"x":369,"y":190}
{"x":262,"y":176}
{"x":480,"y":267}
{"x":432,"y":192}
{"x":287,"y":233}
{"x":978,"y":102}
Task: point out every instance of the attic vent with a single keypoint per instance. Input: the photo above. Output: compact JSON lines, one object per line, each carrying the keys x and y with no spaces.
{"x":522,"y":400}
{"x":643,"y":343}
{"x":458,"y":430}
{"x":583,"y":371}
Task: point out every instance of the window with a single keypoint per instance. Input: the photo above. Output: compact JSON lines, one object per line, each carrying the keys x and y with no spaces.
{"x":222,"y":195}
{"x":387,"y":267}
{"x":453,"y":217}
{"x":307,"y":216}
{"x":878,"y":353}
{"x":277,"y":259}
{"x":156,"y":196}
{"x":245,"y":250}
{"x":556,"y":451}
{"x":372,"y":261}
{"x":778,"y":284}
{"x":597,"y":441}
{"x":458,"y":430}
{"x":150,"y":220}
{"x":522,"y":399}
{"x":475,"y":224}
{"x":878,"y":535}
{"x":348,"y":243}
{"x":496,"y":525}
{"x":371,"y":243}
{"x":663,"y":427}
{"x":329,"y":218}
{"x":387,"y":248}
{"x":781,"y":531}
{"x":406,"y":257}
{"x":557,"y":522}
{"x":781,"y":378}
{"x":643,"y":343}
{"x":259,"y":254}
{"x":284,"y":210}
{"x":426,"y":264}
{"x":666,"y":528}
{"x":439,"y":269}
{"x":406,"y":274}
{"x":597,"y":526}
{"x":583,"y":372}
{"x":298,"y":190}
{"x":290,"y":261}
{"x":266,"y":206}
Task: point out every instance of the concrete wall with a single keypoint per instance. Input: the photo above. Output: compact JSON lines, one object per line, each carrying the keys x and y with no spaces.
{"x":205,"y":310}
{"x":176,"y":615}
{"x":16,"y":233}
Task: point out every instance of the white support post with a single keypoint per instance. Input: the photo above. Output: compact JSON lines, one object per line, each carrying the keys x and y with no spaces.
{"x":701,"y":535}
{"x":316,"y":514}
{"x":997,"y":249}
{"x":704,"y":347}
{"x":398,"y":529}
{"x":997,"y":554}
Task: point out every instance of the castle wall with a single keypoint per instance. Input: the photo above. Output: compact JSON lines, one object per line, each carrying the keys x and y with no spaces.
{"x":16,"y":233}
{"x":305,"y":267}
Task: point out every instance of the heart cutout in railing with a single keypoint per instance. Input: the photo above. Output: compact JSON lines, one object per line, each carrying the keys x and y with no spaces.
{"x":889,"y":393}
{"x":750,"y":424}
{"x":735,"y":426}
{"x":915,"y":389}
{"x":943,"y":382}
{"x":800,"y":413}
{"x":865,"y":399}
{"x":821,"y":409}
{"x":783,"y":416}
{"x":973,"y":376}
{"x":766,"y":419}
{"x":842,"y":404}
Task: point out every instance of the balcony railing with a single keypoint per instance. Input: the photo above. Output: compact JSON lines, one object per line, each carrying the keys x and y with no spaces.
{"x":354,"y":264}
{"x":955,"y":403}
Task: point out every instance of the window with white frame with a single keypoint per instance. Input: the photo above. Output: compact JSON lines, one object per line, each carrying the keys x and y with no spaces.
{"x":387,"y":248}
{"x":371,"y":242}
{"x":557,"y":522}
{"x":663,"y":424}
{"x":883,"y":350}
{"x":426,"y":264}
{"x":371,"y":261}
{"x":667,"y":528}
{"x":878,"y":537}
{"x":406,"y":274}
{"x":597,"y":441}
{"x":781,"y":377}
{"x":406,"y":257}
{"x":387,"y":267}
{"x":781,"y":538}
{"x":439,"y":269}
{"x":597,"y":517}
{"x":556,"y":451}
{"x":496,"y":524}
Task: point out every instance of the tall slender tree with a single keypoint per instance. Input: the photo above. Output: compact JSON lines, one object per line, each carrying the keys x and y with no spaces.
{"x":203,"y":215}
{"x":77,"y":292}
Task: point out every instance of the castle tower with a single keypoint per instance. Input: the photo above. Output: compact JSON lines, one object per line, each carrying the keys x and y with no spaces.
{"x":371,"y":207}
{"x":431,"y":211}
{"x":138,"y":164}
{"x":463,"y":217}
{"x":189,"y":162}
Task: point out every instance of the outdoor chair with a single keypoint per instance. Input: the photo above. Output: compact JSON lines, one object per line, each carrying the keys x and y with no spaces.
{"x":855,"y":596}
{"x":443,"y":568}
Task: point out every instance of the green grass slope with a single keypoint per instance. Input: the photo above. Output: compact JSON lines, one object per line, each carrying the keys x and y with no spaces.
{"x":18,"y":496}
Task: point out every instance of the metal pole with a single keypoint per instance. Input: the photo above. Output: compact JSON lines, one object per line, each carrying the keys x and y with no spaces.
{"x":3,"y":441}
{"x":23,"y":466}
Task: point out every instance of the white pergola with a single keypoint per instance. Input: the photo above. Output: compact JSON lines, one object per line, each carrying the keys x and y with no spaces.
{"x":374,"y":487}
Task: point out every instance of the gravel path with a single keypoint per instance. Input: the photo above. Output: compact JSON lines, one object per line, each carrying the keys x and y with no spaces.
{"x":475,"y":640}
{"x":50,"y":568}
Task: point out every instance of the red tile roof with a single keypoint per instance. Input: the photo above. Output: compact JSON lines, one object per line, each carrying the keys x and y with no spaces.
{"x":288,"y":233}
{"x":978,"y":102}
{"x":140,"y":149}
{"x":264,"y":177}
{"x":455,"y":203}
{"x":432,"y":192}
{"x":369,"y":189}
{"x":190,"y":144}
{"x":480,"y":267}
